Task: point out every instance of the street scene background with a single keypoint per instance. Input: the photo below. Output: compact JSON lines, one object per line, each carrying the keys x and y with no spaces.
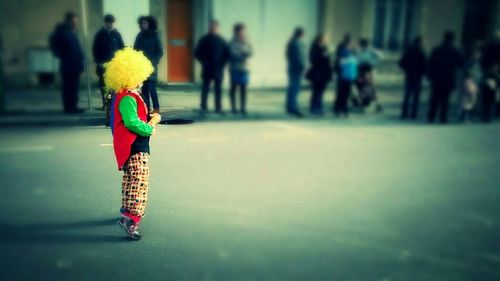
{"x":269,"y":193}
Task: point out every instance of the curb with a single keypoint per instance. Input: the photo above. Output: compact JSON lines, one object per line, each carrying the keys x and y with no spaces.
{"x":49,"y":121}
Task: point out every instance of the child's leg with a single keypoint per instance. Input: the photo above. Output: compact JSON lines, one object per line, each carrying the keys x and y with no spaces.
{"x":135,"y":186}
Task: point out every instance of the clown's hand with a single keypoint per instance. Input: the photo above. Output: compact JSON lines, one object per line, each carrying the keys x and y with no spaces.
{"x":155,"y":119}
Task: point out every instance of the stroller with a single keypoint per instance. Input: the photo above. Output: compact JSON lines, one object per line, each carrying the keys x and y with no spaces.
{"x":366,"y":93}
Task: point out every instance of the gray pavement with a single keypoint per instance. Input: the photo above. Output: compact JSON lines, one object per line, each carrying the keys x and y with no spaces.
{"x":366,"y":198}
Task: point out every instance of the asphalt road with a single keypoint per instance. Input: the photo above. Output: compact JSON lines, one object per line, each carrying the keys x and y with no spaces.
{"x":263,"y":200}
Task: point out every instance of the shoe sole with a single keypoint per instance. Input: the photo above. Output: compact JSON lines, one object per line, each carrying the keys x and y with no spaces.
{"x":122,"y":226}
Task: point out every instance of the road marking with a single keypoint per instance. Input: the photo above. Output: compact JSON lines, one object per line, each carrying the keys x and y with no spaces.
{"x":208,"y":139}
{"x":21,"y":149}
{"x":291,"y":128}
{"x":106,"y":144}
{"x":278,"y":135}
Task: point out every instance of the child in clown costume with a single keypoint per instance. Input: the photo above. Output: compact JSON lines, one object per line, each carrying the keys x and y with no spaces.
{"x":131,"y":126}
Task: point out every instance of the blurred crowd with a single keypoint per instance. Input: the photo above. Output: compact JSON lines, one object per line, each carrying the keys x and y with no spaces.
{"x":474,"y":71}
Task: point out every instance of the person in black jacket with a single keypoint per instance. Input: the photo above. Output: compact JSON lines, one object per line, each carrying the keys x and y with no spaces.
{"x":213,"y":53}
{"x":444,"y":62}
{"x":490,"y":58}
{"x":106,"y":42}
{"x":490,"y":64}
{"x":319,"y":74}
{"x":149,"y":42}
{"x":66,"y":46}
{"x":414,"y":64}
{"x":296,"y":60}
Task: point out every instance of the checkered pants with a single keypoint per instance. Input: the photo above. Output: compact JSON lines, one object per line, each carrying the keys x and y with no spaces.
{"x":135,"y":186}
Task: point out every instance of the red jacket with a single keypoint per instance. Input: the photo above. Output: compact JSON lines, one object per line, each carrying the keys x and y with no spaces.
{"x":122,"y":137}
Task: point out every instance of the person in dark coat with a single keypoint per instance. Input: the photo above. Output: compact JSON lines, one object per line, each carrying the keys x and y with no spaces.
{"x":295,"y":55}
{"x":319,"y":74}
{"x":444,"y":62}
{"x":213,"y":53}
{"x":106,"y":42}
{"x":148,"y":41}
{"x":489,"y":88}
{"x":490,"y":64}
{"x":490,"y":58}
{"x":66,"y":46}
{"x":414,"y":64}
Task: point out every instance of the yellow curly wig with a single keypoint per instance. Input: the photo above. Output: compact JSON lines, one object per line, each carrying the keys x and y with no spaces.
{"x":127,"y":70}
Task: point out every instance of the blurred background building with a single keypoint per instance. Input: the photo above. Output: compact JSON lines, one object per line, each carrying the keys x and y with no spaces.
{"x":390,"y":24}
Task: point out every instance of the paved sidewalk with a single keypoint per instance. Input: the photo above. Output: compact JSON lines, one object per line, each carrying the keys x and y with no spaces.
{"x":42,"y":107}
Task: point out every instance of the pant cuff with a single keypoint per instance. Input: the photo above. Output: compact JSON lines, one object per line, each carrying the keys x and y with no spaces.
{"x":127,"y":215}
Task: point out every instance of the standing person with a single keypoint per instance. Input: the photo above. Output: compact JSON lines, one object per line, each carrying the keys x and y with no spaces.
{"x":149,"y":42}
{"x":444,"y":62}
{"x":240,"y":51}
{"x":472,"y":78}
{"x":414,"y":64}
{"x":347,"y":74}
{"x":131,"y":127}
{"x":490,"y":64}
{"x":346,"y":41}
{"x":213,"y":53}
{"x":65,"y":45}
{"x":490,"y":59}
{"x":368,"y":58}
{"x":106,"y":42}
{"x":470,"y":92}
{"x":488,"y":94}
{"x":319,"y":74}
{"x":295,"y":55}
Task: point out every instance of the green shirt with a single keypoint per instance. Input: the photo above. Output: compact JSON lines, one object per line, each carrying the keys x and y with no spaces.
{"x":128,"y":109}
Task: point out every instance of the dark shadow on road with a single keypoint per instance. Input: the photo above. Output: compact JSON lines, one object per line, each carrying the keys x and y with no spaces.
{"x":177,"y":121}
{"x":58,"y":232}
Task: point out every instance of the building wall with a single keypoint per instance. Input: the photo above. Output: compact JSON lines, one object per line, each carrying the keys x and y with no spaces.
{"x":270,"y":23}
{"x":357,"y":18}
{"x":24,"y":27}
{"x":126,"y":13}
{"x":157,"y":8}
{"x":440,"y":16}
{"x":94,"y":13}
{"x":495,"y":16}
{"x":202,"y":13}
{"x":347,"y":16}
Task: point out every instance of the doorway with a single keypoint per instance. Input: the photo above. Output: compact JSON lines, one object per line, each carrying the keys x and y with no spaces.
{"x":179,"y":41}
